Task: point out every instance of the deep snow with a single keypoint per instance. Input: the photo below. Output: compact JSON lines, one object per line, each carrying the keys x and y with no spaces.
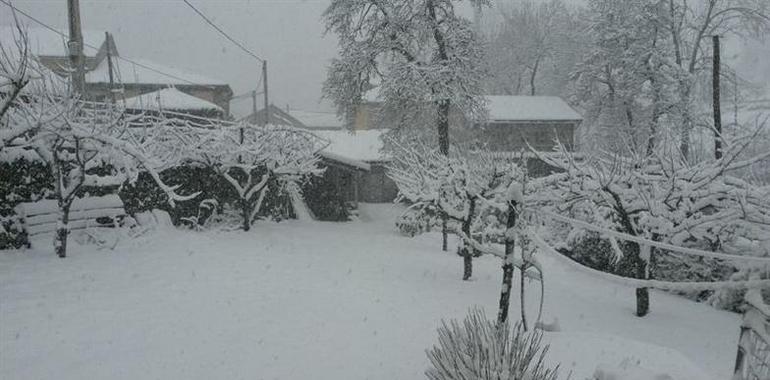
{"x":311,"y":300}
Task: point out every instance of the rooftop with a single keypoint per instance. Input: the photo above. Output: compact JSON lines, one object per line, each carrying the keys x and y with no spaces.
{"x":128,"y":72}
{"x":530,"y":108}
{"x":318,"y":119}
{"x":363,"y":146}
{"x":170,"y":99}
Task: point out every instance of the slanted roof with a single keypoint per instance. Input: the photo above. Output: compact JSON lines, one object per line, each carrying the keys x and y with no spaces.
{"x":363,"y":146}
{"x":277,"y":117}
{"x":318,"y":119}
{"x":530,"y":108}
{"x":170,"y":99}
{"x":128,"y":72}
{"x":44,"y":42}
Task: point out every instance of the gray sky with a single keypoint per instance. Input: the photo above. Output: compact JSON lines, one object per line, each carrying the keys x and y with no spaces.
{"x":288,"y":33}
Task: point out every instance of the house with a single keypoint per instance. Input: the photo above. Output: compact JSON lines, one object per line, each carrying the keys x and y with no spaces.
{"x":514,"y":122}
{"x":130,"y":78}
{"x":140,"y":76}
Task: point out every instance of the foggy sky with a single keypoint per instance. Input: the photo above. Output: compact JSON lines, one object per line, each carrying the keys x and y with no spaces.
{"x":288,"y":33}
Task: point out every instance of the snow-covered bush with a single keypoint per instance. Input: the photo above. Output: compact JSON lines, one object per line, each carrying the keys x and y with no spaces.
{"x":254,"y":160}
{"x":661,"y":198}
{"x":481,"y":349}
{"x":417,"y":220}
{"x":23,"y":178}
{"x":324,"y":200}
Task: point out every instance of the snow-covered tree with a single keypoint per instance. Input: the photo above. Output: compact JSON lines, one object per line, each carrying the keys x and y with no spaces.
{"x":534,"y":48}
{"x":421,"y":54}
{"x":644,"y":76}
{"x":83,"y":144}
{"x":249,"y":156}
{"x":663,"y":199}
{"x":461,"y":186}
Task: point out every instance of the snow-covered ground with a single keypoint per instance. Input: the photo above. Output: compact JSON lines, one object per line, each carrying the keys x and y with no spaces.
{"x":311,"y":300}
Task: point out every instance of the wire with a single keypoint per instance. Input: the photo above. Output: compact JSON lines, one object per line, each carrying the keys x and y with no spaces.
{"x":94,"y":47}
{"x":222,"y":32}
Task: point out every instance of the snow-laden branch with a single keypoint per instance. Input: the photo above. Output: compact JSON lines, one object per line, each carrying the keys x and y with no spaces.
{"x":638,"y":283}
{"x":642,"y":241}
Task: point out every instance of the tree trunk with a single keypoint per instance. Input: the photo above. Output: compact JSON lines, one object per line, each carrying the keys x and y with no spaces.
{"x":468,"y":250}
{"x":246,"y":212}
{"x":444,"y":237}
{"x":505,"y":292}
{"x":443,"y":145}
{"x":62,"y":229}
{"x":532,"y":89}
{"x":467,"y":264}
{"x":642,"y":294}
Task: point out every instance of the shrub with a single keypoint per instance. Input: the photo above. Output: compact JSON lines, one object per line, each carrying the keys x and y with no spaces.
{"x":481,"y":349}
{"x":324,"y":200}
{"x":415,"y":221}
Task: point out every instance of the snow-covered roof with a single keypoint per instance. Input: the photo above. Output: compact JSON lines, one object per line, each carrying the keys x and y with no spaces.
{"x":44,"y":42}
{"x":530,"y":108}
{"x":318,"y":119}
{"x":170,"y":99}
{"x":128,"y":72}
{"x":363,"y":146}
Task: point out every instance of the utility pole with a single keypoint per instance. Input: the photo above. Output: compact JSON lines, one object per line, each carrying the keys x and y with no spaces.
{"x":715,"y":99}
{"x":254,"y":105}
{"x":109,"y":66}
{"x":75,"y":47}
{"x":264,"y":90}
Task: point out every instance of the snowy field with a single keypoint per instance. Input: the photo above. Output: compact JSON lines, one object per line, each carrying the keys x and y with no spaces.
{"x":307,"y":300}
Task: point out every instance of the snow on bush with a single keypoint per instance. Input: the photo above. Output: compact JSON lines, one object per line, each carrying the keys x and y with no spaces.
{"x":481,"y":349}
{"x":660,"y":198}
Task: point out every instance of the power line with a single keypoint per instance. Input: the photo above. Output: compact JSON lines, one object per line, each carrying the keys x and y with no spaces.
{"x":94,"y":47}
{"x":222,"y":32}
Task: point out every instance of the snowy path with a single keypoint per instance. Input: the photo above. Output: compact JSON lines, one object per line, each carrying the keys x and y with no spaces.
{"x":308,"y":300}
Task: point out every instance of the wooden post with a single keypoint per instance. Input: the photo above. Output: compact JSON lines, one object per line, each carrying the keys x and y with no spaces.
{"x":715,"y":78}
{"x":75,"y":47}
